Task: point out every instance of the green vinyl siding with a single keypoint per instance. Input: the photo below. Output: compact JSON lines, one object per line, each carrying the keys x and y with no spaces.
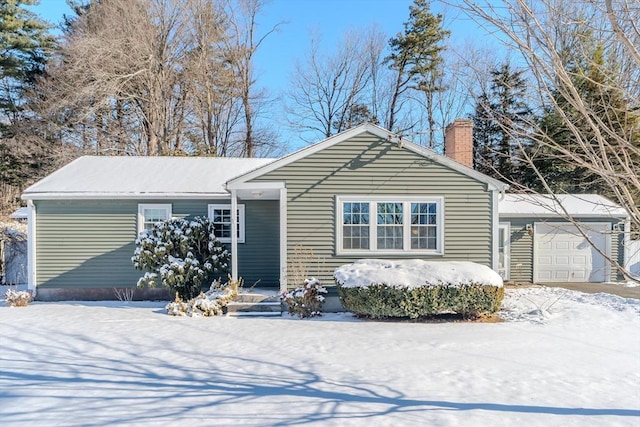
{"x":85,"y":244}
{"x":89,"y":244}
{"x":522,"y":246}
{"x":369,"y":166}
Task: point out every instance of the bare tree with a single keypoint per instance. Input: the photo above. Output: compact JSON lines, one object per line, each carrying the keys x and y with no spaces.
{"x":244,"y":43}
{"x":156,"y":77}
{"x":326,"y":90}
{"x":557,"y":40}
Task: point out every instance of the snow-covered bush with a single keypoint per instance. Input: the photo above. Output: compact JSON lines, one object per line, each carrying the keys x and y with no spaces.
{"x":416,"y":288}
{"x":17,"y":298}
{"x":180,"y":254}
{"x":210,"y":303}
{"x":306,"y":300}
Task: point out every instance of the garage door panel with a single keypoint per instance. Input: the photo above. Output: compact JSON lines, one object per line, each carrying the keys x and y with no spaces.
{"x":562,"y":254}
{"x":545,"y":260}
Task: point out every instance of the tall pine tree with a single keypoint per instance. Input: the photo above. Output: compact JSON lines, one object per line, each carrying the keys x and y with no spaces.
{"x":501,"y":117}
{"x":416,"y":58}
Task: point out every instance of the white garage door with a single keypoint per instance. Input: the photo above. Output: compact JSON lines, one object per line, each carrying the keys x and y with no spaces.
{"x":562,"y":254}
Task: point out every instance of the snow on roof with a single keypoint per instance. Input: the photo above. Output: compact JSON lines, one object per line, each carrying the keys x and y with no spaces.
{"x":415,"y":273}
{"x":576,"y":205}
{"x":142,"y":177}
{"x":20,"y":213}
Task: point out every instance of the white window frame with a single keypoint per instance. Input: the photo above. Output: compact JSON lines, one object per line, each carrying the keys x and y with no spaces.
{"x":143,"y":206}
{"x":241,"y":229}
{"x":505,"y":272}
{"x":406,"y":224}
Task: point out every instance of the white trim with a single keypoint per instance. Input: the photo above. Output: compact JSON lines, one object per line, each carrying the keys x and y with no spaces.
{"x":381,"y":133}
{"x":552,"y":215}
{"x":123,"y":196}
{"x":255,"y":186}
{"x":240,"y":225}
{"x":626,"y":246}
{"x":607,"y":242}
{"x":406,"y":211}
{"x":143,"y":206}
{"x":234,"y":234}
{"x":506,"y":226}
{"x":283,"y":239}
{"x":495,"y":225}
{"x":31,"y":248}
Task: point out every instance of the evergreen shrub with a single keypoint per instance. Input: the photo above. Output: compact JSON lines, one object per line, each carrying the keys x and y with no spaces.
{"x":381,"y":301}
{"x":180,"y":254}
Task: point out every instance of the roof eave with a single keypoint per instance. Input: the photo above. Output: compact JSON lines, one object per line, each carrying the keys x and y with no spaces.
{"x":121,"y":196}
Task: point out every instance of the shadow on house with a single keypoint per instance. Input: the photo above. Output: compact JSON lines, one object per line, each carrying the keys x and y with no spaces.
{"x":94,"y":279}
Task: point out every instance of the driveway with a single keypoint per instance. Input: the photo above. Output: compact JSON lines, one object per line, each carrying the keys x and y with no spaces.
{"x":591,"y":288}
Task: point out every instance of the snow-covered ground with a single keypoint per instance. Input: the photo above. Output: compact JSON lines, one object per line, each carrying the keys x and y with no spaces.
{"x":561,"y":358}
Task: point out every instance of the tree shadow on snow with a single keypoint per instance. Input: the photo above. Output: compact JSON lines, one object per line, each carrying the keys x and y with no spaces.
{"x":79,"y":380}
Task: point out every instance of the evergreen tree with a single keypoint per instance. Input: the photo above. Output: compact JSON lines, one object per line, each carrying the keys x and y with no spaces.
{"x":594,"y":80}
{"x":500,"y":118}
{"x":24,"y":48}
{"x":416,"y":57}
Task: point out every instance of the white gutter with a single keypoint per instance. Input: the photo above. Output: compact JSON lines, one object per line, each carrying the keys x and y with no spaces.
{"x":122,"y":196}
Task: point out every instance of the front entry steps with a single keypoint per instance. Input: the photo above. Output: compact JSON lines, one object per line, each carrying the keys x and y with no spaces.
{"x":256,"y":303}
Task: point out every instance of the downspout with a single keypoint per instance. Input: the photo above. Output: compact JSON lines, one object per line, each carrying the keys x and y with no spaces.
{"x":283,"y":239}
{"x":234,"y":235}
{"x":31,"y":248}
{"x":495,"y":230}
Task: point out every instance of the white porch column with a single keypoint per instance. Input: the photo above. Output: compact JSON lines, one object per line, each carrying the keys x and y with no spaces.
{"x":283,"y":239}
{"x":234,"y":235}
{"x":495,"y":230}
{"x":31,"y":248}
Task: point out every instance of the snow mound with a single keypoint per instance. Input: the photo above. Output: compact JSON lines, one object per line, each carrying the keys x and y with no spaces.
{"x":415,"y":273}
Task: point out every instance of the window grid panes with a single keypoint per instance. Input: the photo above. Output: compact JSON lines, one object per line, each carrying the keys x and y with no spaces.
{"x":389,"y":226}
{"x":153,"y":215}
{"x":355,"y":228}
{"x":424,"y":223}
{"x":221,"y":220}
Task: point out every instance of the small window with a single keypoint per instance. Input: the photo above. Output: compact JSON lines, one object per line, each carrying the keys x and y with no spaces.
{"x":404,"y":225}
{"x":220,"y":217}
{"x":149,"y":215}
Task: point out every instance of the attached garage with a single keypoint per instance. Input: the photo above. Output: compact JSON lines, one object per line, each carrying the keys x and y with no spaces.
{"x":541,"y":245}
{"x":562,"y":253}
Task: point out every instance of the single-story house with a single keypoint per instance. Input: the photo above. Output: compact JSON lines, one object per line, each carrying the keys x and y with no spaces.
{"x":538,"y":242}
{"x":362,"y":193}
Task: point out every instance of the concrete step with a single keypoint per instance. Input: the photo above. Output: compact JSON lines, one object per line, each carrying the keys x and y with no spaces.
{"x":254,"y":307}
{"x":258,"y":296}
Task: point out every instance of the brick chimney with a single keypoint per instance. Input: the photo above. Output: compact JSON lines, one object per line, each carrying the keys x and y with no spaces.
{"x":458,"y":141}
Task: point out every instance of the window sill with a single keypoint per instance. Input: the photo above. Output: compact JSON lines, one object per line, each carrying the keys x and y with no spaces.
{"x":375,"y":254}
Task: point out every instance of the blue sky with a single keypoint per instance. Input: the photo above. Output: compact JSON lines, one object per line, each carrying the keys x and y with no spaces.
{"x":300,"y":17}
{"x":330,"y":18}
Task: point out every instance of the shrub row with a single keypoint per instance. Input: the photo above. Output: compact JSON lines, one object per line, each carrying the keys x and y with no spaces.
{"x":381,"y":301}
